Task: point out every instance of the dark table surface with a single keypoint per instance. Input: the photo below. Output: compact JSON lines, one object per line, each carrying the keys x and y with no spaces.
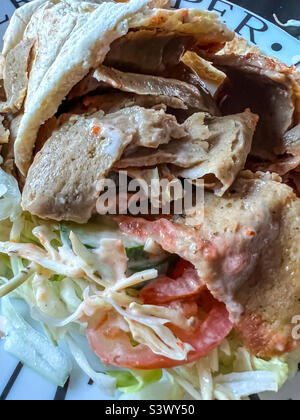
{"x":284,"y":9}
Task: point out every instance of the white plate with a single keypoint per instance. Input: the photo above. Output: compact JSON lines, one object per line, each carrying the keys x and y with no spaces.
{"x":20,"y":383}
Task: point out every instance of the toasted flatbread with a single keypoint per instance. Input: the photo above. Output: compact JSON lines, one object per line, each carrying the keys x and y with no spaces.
{"x":18,"y":24}
{"x":205,"y":70}
{"x":71,"y":37}
{"x":239,"y":46}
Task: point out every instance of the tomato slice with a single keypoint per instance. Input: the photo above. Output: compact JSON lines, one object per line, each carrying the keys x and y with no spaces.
{"x":114,"y":347}
{"x":181,"y":267}
{"x":112,"y":343}
{"x":184,"y":283}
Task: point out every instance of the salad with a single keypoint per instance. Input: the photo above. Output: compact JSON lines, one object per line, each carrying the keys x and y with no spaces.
{"x":198,"y":304}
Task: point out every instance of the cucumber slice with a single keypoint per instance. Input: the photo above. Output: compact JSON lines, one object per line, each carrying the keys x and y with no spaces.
{"x":161,"y":264}
{"x":135,"y":253}
{"x":92,"y":233}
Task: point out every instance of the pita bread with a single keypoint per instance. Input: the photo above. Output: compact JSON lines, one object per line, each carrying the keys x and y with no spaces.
{"x":205,"y":70}
{"x":239,"y":46}
{"x":72,"y":37}
{"x":203,"y":25}
{"x":18,"y":23}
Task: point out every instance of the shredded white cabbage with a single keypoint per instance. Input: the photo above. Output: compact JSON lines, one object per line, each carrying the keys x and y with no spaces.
{"x":243,"y":384}
{"x":187,"y":386}
{"x":160,"y":340}
{"x":166,"y":313}
{"x":17,"y":281}
{"x":245,"y":375}
{"x":52,"y":322}
{"x":221,"y":393}
{"x":103,"y":381}
{"x":104,"y":270}
{"x":205,"y":379}
{"x":242,"y":361}
{"x":68,"y":295}
{"x":152,"y":332}
{"x":65,"y":263}
{"x":33,"y":348}
{"x":10,"y":202}
{"x":165,"y":389}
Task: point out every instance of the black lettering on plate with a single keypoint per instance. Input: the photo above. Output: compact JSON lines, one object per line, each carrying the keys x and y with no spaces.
{"x":177,"y":4}
{"x":19,"y":3}
{"x":194,"y":1}
{"x":218,"y":3}
{"x":246,"y":24}
{"x":6,"y":19}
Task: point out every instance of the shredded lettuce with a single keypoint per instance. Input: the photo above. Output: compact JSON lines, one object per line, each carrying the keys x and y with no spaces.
{"x":105,"y":382}
{"x":165,"y":389}
{"x":135,"y":252}
{"x":5,"y":268}
{"x":229,"y":372}
{"x":33,"y":348}
{"x":91,"y":234}
{"x":135,"y":380}
{"x":17,"y":281}
{"x":5,"y":228}
{"x":277,"y":366}
{"x":56,"y":277}
{"x":243,"y":384}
